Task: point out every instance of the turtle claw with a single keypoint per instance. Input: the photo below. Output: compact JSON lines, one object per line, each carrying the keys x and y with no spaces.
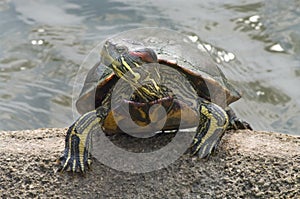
{"x":204,"y":150}
{"x":72,"y":164}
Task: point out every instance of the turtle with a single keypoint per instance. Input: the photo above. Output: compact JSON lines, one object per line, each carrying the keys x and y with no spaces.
{"x":156,"y":67}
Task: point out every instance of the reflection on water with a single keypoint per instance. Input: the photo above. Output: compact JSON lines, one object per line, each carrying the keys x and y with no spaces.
{"x":269,"y":95}
{"x":44,"y":42}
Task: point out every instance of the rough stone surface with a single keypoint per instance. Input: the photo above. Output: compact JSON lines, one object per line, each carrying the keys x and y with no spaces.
{"x":247,"y":164}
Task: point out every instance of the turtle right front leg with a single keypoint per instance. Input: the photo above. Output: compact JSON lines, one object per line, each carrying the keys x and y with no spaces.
{"x":213,"y":122}
{"x":78,"y":143}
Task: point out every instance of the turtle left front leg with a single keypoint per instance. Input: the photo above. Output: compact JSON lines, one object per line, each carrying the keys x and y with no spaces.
{"x":213,"y":122}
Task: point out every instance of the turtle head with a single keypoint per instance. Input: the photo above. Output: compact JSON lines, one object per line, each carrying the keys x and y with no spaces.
{"x":121,"y":60}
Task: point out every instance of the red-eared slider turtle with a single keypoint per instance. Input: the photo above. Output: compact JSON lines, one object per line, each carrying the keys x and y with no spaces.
{"x":147,"y":61}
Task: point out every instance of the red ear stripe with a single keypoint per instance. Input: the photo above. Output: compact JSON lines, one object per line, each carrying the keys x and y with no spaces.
{"x":146,"y":55}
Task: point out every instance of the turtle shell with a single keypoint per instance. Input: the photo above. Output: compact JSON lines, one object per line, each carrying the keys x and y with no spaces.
{"x":173,"y":50}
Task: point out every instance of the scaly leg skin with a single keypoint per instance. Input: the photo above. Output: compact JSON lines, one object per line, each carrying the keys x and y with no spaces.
{"x":212,"y":125}
{"x":78,"y":143}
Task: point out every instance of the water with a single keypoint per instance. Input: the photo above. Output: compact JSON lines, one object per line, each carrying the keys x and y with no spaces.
{"x":44,"y":42}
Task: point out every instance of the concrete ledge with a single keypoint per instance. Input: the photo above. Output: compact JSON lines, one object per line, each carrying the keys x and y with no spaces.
{"x":247,"y":165}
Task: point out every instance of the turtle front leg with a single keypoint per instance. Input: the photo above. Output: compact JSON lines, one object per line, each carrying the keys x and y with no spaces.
{"x":212,"y":124}
{"x":78,"y":143}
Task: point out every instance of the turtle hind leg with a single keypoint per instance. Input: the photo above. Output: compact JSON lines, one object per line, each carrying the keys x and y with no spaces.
{"x":213,"y":121}
{"x":235,"y":122}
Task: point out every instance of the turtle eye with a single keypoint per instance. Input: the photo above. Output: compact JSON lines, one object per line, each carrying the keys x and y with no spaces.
{"x":121,"y":49}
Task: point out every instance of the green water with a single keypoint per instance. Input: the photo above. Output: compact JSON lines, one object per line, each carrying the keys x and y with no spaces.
{"x":43,"y":44}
